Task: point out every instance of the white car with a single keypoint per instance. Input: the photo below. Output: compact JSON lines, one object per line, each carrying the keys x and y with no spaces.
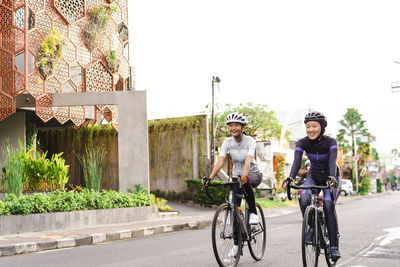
{"x":347,"y":187}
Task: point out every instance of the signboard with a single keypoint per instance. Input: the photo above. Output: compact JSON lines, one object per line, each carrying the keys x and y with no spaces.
{"x":373,"y":166}
{"x":356,"y":157}
{"x":363,"y":139}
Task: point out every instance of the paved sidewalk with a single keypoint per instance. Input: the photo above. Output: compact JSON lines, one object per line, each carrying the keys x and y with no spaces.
{"x":190,"y":217}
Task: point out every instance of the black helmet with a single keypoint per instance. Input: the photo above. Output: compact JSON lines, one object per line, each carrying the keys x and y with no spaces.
{"x":316,"y":116}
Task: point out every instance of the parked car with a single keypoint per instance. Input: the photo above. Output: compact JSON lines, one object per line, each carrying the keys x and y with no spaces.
{"x":347,"y":187}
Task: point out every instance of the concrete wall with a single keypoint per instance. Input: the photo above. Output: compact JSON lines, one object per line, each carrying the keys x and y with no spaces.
{"x":12,"y":128}
{"x":175,"y":156}
{"x":14,"y":224}
{"x":133,"y":152}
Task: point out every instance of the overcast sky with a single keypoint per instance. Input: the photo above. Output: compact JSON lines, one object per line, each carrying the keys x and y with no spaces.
{"x":327,"y":55}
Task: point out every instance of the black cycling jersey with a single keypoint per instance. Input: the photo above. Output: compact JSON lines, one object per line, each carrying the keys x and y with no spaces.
{"x":322,"y":154}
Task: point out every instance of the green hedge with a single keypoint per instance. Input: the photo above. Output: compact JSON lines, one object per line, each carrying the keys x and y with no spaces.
{"x":199,"y":195}
{"x":378,"y":185}
{"x":365,"y":187}
{"x":59,"y":201}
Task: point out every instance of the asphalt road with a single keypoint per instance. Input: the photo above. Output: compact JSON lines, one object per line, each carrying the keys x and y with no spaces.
{"x":369,"y":227}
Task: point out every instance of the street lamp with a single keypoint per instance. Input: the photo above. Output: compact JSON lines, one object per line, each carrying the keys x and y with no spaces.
{"x":215,"y":79}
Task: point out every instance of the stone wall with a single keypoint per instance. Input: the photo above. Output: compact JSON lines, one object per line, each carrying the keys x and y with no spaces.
{"x":178,"y":150}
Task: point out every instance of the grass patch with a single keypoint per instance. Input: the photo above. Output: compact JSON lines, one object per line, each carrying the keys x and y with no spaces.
{"x":267,"y":203}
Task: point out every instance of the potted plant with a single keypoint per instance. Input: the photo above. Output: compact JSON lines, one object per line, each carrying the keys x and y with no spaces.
{"x":50,"y":53}
{"x":112,"y":62}
{"x":99,"y":17}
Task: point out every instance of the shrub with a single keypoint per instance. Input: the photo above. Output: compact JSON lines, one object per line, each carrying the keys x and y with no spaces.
{"x":58,"y":201}
{"x":199,"y":195}
{"x":160,"y":203}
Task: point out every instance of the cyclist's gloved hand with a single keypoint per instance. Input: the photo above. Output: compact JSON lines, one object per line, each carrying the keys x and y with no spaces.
{"x":287,"y":181}
{"x":206,"y":181}
{"x":244,"y":179}
{"x":333,"y":182}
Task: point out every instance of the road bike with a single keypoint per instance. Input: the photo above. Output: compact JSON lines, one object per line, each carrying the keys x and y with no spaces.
{"x":231,"y":226}
{"x":314,"y":220}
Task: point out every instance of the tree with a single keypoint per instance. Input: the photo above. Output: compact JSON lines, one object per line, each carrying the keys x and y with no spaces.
{"x":261,"y":122}
{"x":352,"y":125}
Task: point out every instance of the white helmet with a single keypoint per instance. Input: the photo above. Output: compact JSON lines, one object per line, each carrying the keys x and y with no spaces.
{"x":236,"y":117}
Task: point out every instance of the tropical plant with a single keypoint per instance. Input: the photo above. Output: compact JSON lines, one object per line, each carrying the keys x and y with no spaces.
{"x":261,"y":122}
{"x":99,"y":16}
{"x":58,"y":172}
{"x":36,"y":172}
{"x":13,"y":171}
{"x":43,"y":174}
{"x":112,"y":62}
{"x":92,"y":164}
{"x":50,"y":53}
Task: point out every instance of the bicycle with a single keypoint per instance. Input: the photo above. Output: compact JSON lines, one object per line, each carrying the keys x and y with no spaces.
{"x":229,"y":227}
{"x":314,"y":216}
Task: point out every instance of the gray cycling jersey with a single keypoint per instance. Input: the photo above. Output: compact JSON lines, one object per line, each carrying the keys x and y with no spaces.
{"x":239,"y":152}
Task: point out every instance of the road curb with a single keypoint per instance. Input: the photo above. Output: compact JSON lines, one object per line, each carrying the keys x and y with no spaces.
{"x":93,"y":239}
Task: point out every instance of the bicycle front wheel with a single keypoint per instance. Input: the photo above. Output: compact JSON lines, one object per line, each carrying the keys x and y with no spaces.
{"x":309,"y":251}
{"x":258,"y":236}
{"x":225,"y":234}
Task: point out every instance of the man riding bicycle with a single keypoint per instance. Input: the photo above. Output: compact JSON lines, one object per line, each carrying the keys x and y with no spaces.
{"x":322,"y":153}
{"x":242,"y":150}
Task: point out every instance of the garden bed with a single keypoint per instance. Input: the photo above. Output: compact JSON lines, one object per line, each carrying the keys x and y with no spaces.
{"x":15,"y":224}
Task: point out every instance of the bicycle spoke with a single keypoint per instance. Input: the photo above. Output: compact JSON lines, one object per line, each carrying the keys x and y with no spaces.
{"x":223,"y":236}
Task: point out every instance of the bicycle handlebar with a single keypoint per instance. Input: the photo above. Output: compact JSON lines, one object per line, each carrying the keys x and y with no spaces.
{"x":322,"y":187}
{"x":309,"y":187}
{"x":238,"y":181}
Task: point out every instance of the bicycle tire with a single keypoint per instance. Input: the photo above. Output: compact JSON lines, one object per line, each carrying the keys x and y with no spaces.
{"x":260,"y":231}
{"x":309,"y":252}
{"x":327,"y":251}
{"x":226,"y":233}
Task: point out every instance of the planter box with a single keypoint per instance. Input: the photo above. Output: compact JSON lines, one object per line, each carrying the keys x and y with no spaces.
{"x":15,"y":224}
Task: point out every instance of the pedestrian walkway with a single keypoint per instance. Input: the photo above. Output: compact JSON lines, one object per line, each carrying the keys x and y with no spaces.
{"x":188,"y":217}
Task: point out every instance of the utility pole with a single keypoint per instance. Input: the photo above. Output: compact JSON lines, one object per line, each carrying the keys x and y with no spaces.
{"x":215,"y":79}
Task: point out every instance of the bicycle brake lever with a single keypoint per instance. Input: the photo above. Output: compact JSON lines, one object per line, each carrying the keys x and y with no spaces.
{"x":208,"y":194}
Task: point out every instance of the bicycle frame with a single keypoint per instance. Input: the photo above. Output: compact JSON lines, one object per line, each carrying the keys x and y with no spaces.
{"x":231,"y":201}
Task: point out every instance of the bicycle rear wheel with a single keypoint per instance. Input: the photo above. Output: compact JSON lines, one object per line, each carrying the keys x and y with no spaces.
{"x":224,"y":232}
{"x":309,"y":251}
{"x":258,"y":236}
{"x":327,"y":250}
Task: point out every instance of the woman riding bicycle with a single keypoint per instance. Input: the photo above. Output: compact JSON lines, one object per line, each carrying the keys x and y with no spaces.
{"x":322,"y":153}
{"x":241,"y":148}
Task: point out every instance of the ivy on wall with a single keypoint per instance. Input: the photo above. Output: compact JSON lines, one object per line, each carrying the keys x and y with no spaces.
{"x":173,"y":138}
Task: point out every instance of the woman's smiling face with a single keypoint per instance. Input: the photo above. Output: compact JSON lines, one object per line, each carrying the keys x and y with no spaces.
{"x":235,"y":129}
{"x":313,"y":129}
